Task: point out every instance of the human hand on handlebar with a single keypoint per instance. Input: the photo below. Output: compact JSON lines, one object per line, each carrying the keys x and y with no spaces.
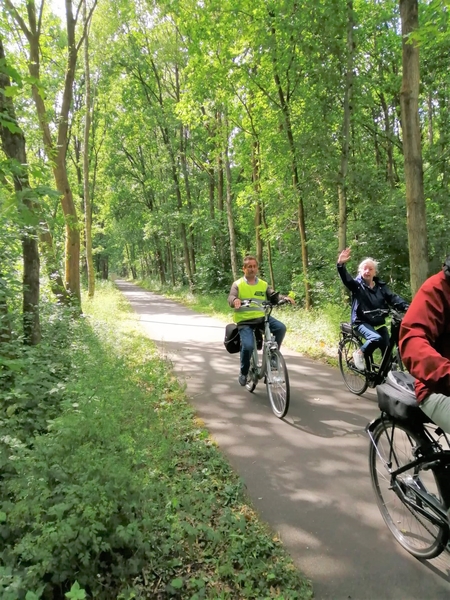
{"x":286,"y":300}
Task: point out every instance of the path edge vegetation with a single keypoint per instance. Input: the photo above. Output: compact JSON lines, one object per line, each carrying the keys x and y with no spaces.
{"x":111,"y":487}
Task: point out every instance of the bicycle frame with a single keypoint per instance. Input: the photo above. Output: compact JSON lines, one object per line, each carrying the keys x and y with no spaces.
{"x":378,"y":373}
{"x":269,"y":343}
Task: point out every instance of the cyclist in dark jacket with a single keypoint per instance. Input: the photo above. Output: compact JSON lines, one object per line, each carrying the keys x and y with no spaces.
{"x":368,"y":293}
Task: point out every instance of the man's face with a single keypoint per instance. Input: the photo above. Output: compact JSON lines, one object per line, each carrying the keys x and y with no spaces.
{"x":250,"y":269}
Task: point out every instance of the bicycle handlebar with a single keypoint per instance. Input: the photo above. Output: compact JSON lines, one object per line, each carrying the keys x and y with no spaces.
{"x":265,"y":303}
{"x":397,"y":314}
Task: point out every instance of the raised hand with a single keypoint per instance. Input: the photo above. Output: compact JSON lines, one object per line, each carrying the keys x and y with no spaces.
{"x":344,"y":256}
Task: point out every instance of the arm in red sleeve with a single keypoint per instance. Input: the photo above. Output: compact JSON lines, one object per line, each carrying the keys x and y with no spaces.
{"x":421,"y":332}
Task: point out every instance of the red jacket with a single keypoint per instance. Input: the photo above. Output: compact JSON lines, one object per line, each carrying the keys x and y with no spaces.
{"x":425,"y":337}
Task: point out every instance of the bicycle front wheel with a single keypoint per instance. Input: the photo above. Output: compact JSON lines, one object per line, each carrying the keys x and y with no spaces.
{"x":415,"y":532}
{"x":277,"y":383}
{"x":355,"y":380}
{"x":252,"y":378}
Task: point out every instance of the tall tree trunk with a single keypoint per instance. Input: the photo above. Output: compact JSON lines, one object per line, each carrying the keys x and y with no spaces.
{"x":13,"y":144}
{"x":285,"y":110}
{"x":220,"y":208}
{"x":212,"y":211}
{"x":5,"y":322}
{"x":87,"y":197}
{"x":171,"y":266}
{"x":430,"y":118}
{"x":269,"y":249}
{"x":187,"y":188}
{"x":390,"y":174}
{"x":258,"y":207}
{"x":345,"y":143}
{"x":415,"y":198}
{"x":229,"y":204}
{"x":56,"y":150}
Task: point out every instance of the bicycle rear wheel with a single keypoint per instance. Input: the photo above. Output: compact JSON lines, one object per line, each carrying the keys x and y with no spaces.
{"x":355,"y":380}
{"x":417,"y":534}
{"x":277,"y":383}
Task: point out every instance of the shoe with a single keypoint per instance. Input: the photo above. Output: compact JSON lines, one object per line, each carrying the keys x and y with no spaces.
{"x":242,"y":379}
{"x":358,"y":359}
{"x":273,"y":363}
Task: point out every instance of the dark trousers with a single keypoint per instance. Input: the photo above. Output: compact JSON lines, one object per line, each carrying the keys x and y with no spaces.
{"x":246,"y":333}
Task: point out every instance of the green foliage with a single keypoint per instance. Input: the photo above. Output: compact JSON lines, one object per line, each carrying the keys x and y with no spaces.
{"x":122,"y":493}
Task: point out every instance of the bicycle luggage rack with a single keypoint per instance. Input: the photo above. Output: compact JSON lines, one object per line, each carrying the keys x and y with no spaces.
{"x":347,"y":328}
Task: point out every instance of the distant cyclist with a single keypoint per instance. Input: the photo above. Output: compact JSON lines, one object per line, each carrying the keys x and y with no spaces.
{"x":368,"y":293}
{"x":250,"y":287}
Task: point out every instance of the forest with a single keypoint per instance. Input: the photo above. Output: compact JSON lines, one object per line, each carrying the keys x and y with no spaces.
{"x":166,"y":139}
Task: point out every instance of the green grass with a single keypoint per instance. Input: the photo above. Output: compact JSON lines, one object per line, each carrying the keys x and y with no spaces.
{"x":314,"y":333}
{"x":123,"y":494}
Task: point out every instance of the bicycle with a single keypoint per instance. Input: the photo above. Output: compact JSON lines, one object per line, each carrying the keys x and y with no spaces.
{"x":358,"y":381}
{"x":269,"y":364}
{"x":410,"y":470}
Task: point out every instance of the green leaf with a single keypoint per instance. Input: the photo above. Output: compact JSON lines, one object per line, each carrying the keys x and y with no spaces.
{"x":13,"y":128}
{"x":11,"y":91}
{"x":177,"y":583}
{"x":76,"y":593}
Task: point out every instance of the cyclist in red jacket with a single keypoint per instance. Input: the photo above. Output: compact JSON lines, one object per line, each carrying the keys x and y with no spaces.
{"x":425,"y":346}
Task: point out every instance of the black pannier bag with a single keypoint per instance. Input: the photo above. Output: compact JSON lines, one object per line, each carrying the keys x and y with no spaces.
{"x":397,"y":398}
{"x":232,"y":341}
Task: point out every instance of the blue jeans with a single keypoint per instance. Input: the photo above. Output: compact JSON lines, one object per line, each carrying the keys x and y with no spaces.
{"x":246,"y":333}
{"x":374,"y":338}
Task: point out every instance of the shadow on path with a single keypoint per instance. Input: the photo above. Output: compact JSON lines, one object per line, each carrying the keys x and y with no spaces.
{"x":308,"y":474}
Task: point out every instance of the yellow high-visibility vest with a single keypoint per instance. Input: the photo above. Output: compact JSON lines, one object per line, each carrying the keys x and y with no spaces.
{"x":250,"y":292}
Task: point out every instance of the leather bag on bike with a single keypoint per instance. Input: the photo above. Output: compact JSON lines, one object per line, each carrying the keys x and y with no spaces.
{"x":232,"y":341}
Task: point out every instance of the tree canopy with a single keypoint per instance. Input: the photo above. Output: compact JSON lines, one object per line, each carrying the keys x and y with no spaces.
{"x":168,"y":139}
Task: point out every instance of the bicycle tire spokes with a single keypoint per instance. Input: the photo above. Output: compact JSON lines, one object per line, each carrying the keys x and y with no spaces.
{"x":355,"y":380}
{"x":409,"y":501}
{"x":277,"y":383}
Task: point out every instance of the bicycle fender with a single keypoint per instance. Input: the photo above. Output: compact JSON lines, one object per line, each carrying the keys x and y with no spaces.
{"x":371,"y":426}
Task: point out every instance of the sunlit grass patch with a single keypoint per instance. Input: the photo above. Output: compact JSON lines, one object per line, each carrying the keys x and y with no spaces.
{"x":124,"y":494}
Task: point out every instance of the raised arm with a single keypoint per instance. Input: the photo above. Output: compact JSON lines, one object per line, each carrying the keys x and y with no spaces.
{"x":345,"y":276}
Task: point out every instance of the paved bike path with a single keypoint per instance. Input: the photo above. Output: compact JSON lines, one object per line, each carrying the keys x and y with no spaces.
{"x":307,"y":475}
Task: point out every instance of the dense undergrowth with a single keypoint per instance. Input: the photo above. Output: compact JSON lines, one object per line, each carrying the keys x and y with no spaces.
{"x":314,"y":333}
{"x":109,"y":487}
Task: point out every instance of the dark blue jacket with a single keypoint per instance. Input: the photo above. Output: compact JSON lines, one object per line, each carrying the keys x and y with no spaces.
{"x":367,"y":298}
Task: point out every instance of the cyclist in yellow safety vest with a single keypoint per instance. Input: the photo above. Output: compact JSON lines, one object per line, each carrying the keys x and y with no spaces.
{"x":250,"y":287}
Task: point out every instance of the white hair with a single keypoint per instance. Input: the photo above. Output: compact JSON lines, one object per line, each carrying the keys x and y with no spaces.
{"x":364,"y":262}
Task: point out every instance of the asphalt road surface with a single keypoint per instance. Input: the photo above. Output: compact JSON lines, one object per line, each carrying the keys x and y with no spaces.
{"x":307,"y":475}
